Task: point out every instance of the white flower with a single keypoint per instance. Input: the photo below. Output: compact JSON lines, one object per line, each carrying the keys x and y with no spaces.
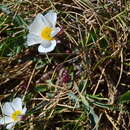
{"x":42,"y":31}
{"x":12,"y":113}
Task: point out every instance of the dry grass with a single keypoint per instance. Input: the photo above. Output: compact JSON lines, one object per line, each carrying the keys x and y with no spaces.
{"x":80,"y":83}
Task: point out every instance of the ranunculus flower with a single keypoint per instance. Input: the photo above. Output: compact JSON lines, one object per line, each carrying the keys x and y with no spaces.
{"x":12,"y":113}
{"x":42,"y":31}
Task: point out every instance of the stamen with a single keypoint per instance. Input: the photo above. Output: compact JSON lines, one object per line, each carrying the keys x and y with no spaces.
{"x":46,"y":33}
{"x":16,"y":115}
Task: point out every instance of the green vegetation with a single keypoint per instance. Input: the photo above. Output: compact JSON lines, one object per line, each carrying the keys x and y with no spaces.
{"x":84,"y":83}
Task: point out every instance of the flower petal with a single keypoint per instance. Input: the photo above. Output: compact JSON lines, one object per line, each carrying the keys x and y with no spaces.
{"x":7,"y":109}
{"x":5,"y":120}
{"x":17,"y":104}
{"x":46,"y":43}
{"x":33,"y":39}
{"x":51,"y":17}
{"x":10,"y":126}
{"x":55,"y":31}
{"x":50,"y":48}
{"x":24,"y":110}
{"x":37,"y":24}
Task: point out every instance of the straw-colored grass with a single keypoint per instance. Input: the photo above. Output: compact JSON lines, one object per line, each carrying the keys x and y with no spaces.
{"x":83,"y":84}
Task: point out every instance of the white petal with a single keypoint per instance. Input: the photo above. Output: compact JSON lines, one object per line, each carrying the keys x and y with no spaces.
{"x":46,"y":43}
{"x":24,"y":110}
{"x":17,"y":104}
{"x":37,"y":24}
{"x":5,"y":120}
{"x":51,"y":17}
{"x":10,"y":126}
{"x":50,"y":48}
{"x":33,"y":39}
{"x":7,"y":109}
{"x":46,"y":22}
{"x":55,"y":31}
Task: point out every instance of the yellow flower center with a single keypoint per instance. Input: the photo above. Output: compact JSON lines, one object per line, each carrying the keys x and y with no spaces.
{"x":16,"y":115}
{"x":46,"y":33}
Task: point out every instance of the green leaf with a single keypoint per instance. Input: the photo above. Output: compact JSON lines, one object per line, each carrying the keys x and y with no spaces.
{"x":92,"y":37}
{"x":40,"y":88}
{"x":74,"y":99}
{"x":92,"y":113}
{"x":125,"y":97}
{"x":103,"y":43}
{"x":5,"y":9}
{"x":17,"y":19}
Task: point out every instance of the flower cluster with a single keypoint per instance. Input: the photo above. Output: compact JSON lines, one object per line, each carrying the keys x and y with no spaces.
{"x":64,"y":76}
